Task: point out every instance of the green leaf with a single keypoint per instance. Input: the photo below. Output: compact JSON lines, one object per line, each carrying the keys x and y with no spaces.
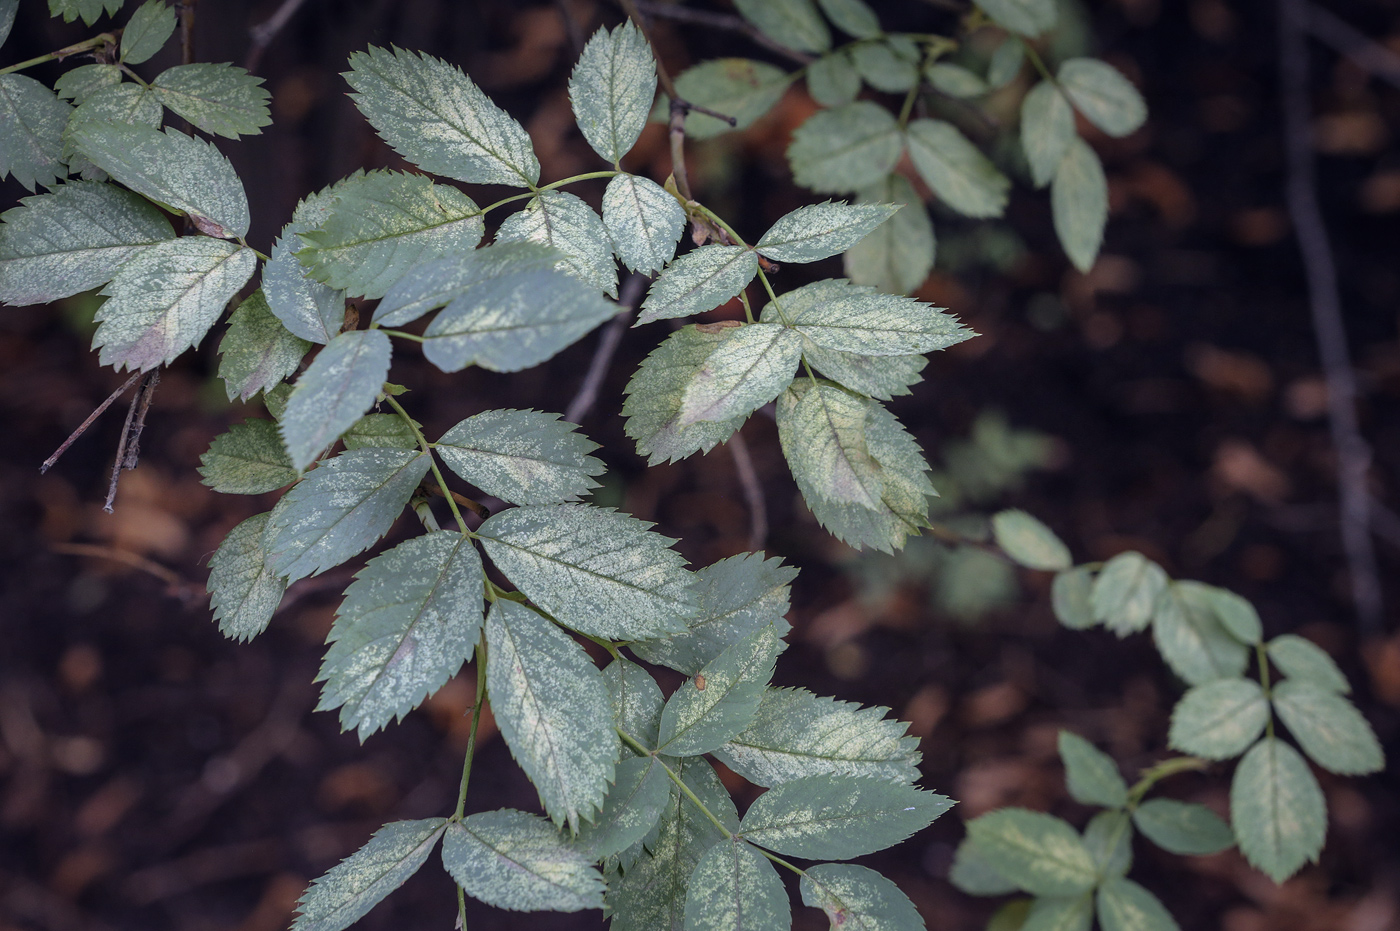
{"x":146,"y":33}
{"x":341,"y":383}
{"x":164,"y":300}
{"x":636,"y":700}
{"x":243,"y":590}
{"x":898,"y":255}
{"x":633,"y":807}
{"x":736,"y":888}
{"x":8,"y":9}
{"x":515,"y":860}
{"x":1047,"y":128}
{"x":89,"y":10}
{"x":257,"y":351}
{"x":846,"y":148}
{"x":657,"y":389}
{"x":1234,"y":613}
{"x":974,"y":874}
{"x":32,"y":119}
{"x":797,"y":734}
{"x":438,"y":283}
{"x":1220,"y":719}
{"x":434,"y":116}
{"x":593,"y":569}
{"x":383,"y":223}
{"x":956,"y":170}
{"x":81,"y":82}
{"x":1183,"y":828}
{"x":1030,"y":18}
{"x":1124,"y":595}
{"x":819,"y":231}
{"x":347,"y":893}
{"x":1029,"y":542}
{"x":1277,"y":809}
{"x":562,"y":220}
{"x":643,"y":221}
{"x":56,"y":245}
{"x":177,"y":171}
{"x":1304,"y":660}
{"x":1006,"y":62}
{"x":1058,"y":914}
{"x":858,"y":899}
{"x":341,"y":509}
{"x":120,"y":103}
{"x":524,"y":457}
{"x":221,"y":99}
{"x":552,"y":706}
{"x":1038,"y":852}
{"x":247,"y":460}
{"x":794,"y":24}
{"x":1328,"y":727}
{"x":1123,"y":905}
{"x":306,"y":307}
{"x":721,"y":701}
{"x":955,"y":80}
{"x":737,"y":596}
{"x":746,"y":370}
{"x":839,"y":817}
{"x":853,"y":17}
{"x":380,"y":430}
{"x":738,"y":87}
{"x":1070,"y":598}
{"x":407,"y":624}
{"x":1191,"y":640}
{"x":1109,"y":839}
{"x":275,"y":399}
{"x":882,"y":377}
{"x":612,"y":88}
{"x":699,"y":281}
{"x":1091,"y":775}
{"x":824,"y":441}
{"x":890,"y":66}
{"x":832,"y":80}
{"x":1106,"y":98}
{"x":1079,"y":203}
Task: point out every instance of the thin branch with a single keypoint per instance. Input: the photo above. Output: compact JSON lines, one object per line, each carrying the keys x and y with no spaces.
{"x":185,"y":10}
{"x":129,"y":446}
{"x":1345,"y":38}
{"x":82,"y":427}
{"x":753,"y":491}
{"x":178,"y":586}
{"x":264,"y":32}
{"x":572,"y":29}
{"x":1353,"y":453}
{"x":723,"y":21}
{"x":587,"y":395}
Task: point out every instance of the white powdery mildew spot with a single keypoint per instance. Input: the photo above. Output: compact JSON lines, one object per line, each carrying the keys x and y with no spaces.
{"x":746,"y":371}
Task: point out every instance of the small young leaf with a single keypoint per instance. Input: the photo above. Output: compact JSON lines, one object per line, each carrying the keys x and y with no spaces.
{"x":643,"y":222}
{"x":562,"y":220}
{"x":595,"y":570}
{"x":247,"y":460}
{"x":347,"y":893}
{"x":853,"y":17}
{"x":306,"y":307}
{"x":381,"y":224}
{"x":736,"y":888}
{"x":524,"y":457}
{"x":839,"y":817}
{"x":257,"y":352}
{"x":793,"y":23}
{"x":1277,"y":809}
{"x":381,"y":430}
{"x":1106,"y":98}
{"x":796,"y":734}
{"x":697,"y":720}
{"x":636,"y":700}
{"x":1124,"y":595}
{"x":1051,"y":914}
{"x":955,"y":80}
{"x":79,"y":83}
{"x":1183,"y":828}
{"x":1070,"y":598}
{"x":1109,"y":839}
{"x":890,"y":66}
{"x":1079,"y":203}
{"x":552,"y":707}
{"x":1328,"y":727}
{"x":174,"y":170}
{"x":858,"y":899}
{"x":1038,"y":852}
{"x":881,"y":377}
{"x":1006,"y":62}
{"x":146,"y":33}
{"x":699,"y":281}
{"x":958,"y":172}
{"x":1190,"y":638}
{"x":657,"y":389}
{"x":335,"y":391}
{"x":611,"y":89}
{"x":1030,"y":18}
{"x":832,"y":80}
{"x":737,"y":596}
{"x":434,"y":116}
{"x":633,"y":807}
{"x":341,"y":509}
{"x":819,"y":231}
{"x":749,"y":368}
{"x":1123,"y":905}
{"x":846,"y":148}
{"x":1091,"y":775}
{"x":1306,"y":661}
{"x":898,"y":255}
{"x":221,"y":99}
{"x":1029,"y":542}
{"x":737,"y":87}
{"x":243,"y":590}
{"x":1047,"y":128}
{"x":1220,"y":719}
{"x":408,"y":622}
{"x":56,"y":245}
{"x":511,"y":859}
{"x":32,"y":120}
{"x":974,"y":874}
{"x":164,"y":300}
{"x":89,"y":10}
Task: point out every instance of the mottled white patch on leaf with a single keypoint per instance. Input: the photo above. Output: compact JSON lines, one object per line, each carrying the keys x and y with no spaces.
{"x":257,"y":351}
{"x":699,"y":281}
{"x":563,"y":221}
{"x":736,"y":888}
{"x":697,"y":720}
{"x":222,"y":99}
{"x":961,"y":176}
{"x":1220,"y":719}
{"x":247,"y":460}
{"x":858,"y":899}
{"x":32,"y":119}
{"x":655,"y":393}
{"x":644,"y":222}
{"x":839,"y":817}
{"x":243,"y":590}
{"x":341,"y":383}
{"x":845,"y":148}
{"x":612,"y":88}
{"x":839,"y":316}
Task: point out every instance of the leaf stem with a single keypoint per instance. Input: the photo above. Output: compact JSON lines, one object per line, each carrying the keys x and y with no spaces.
{"x":524,"y":195}
{"x":1039,"y":63}
{"x":719,"y":221}
{"x":471,"y":735}
{"x":402,"y":334}
{"x":1264,"y":683}
{"x":777,"y":305}
{"x":744,"y":299}
{"x":432,"y":461}
{"x":1155,"y":774}
{"x":87,"y":45}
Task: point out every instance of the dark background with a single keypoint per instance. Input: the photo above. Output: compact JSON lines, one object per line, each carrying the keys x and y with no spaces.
{"x":154,"y":775}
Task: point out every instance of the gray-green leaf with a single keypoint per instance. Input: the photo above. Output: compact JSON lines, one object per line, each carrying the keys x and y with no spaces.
{"x":658,"y":387}
{"x":898,"y":255}
{"x":636,"y":700}
{"x":1220,"y":719}
{"x":721,"y":701}
{"x":438,"y":283}
{"x":515,"y":860}
{"x":749,"y":368}
{"x":1328,"y":727}
{"x":341,"y":383}
{"x":1079,"y":203}
{"x":524,"y":457}
{"x":1109,"y":839}
{"x":1191,"y":639}
{"x":633,"y":807}
{"x":8,"y":8}
{"x":244,"y":592}
{"x":839,"y":817}
{"x":846,"y":148}
{"x":1234,"y":613}
{"x":854,"y":17}
{"x":891,"y":65}
{"x":1047,"y":127}
{"x":1006,"y":62}
{"x":858,"y":899}
{"x":611,"y":89}
{"x":1277,"y":809}
{"x":974,"y":874}
{"x":32,"y":119}
{"x":1038,"y":852}
{"x":347,"y":893}
{"x":222,"y":99}
{"x":819,"y":231}
{"x":562,"y":220}
{"x":146,"y":33}
{"x":958,"y":172}
{"x":1070,"y":598}
{"x":1029,"y":542}
{"x":794,"y":24}
{"x":1106,"y":98}
{"x":1030,"y":18}
{"x":76,"y":85}
{"x":1183,"y":828}
{"x":738,"y":87}
{"x":257,"y":352}
{"x":699,"y":281}
{"x":306,"y":307}
{"x":1304,"y":660}
{"x":247,"y":460}
{"x":381,"y":430}
{"x":1124,"y":595}
{"x":832,"y":80}
{"x":736,"y":888}
{"x":881,"y":377}
{"x":1091,"y":775}
{"x":89,"y":10}
{"x":1123,"y":905}
{"x":955,"y":80}
{"x":552,"y":706}
{"x":1050,"y":914}
{"x":643,"y":221}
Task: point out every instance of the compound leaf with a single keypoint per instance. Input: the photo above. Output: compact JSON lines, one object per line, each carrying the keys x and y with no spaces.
{"x":552,"y":707}
{"x":516,"y":860}
{"x":819,"y":231}
{"x":1277,"y":810}
{"x":524,"y":457}
{"x":1090,"y":774}
{"x":347,"y":893}
{"x":736,"y":87}
{"x":1106,"y":98}
{"x":1123,"y":905}
{"x":1220,"y":719}
{"x":958,"y":172}
{"x":407,"y":624}
{"x":898,"y":255}
{"x":839,"y":817}
{"x":434,"y":116}
{"x":846,"y":148}
{"x":745,"y":371}
{"x":32,"y":120}
{"x":636,"y":700}
{"x":699,"y":281}
{"x":1079,"y":203}
{"x":832,"y":80}
{"x":257,"y":352}
{"x":1328,"y":727}
{"x":657,"y":389}
{"x":222,"y":99}
{"x":858,"y":899}
{"x":1182,"y":827}
{"x":1029,"y":542}
{"x":633,"y":807}
{"x":1037,"y":852}
{"x":1304,"y":660}
{"x":1030,"y":18}
{"x":795,"y":24}
{"x":736,"y":888}
{"x":722,"y":699}
{"x":244,"y":592}
{"x":644,"y":222}
{"x":1191,"y":639}
{"x":562,"y":220}
{"x":146,"y":33}
{"x":1047,"y":128}
{"x":341,"y":383}
{"x":612,"y":88}
{"x":247,"y":460}
{"x":1124,"y":595}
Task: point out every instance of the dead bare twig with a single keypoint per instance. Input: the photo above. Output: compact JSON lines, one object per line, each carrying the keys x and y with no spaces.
{"x":129,"y":447}
{"x":608,"y":342}
{"x":264,"y":32}
{"x":753,"y":491}
{"x":1345,"y":38}
{"x":82,"y":427}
